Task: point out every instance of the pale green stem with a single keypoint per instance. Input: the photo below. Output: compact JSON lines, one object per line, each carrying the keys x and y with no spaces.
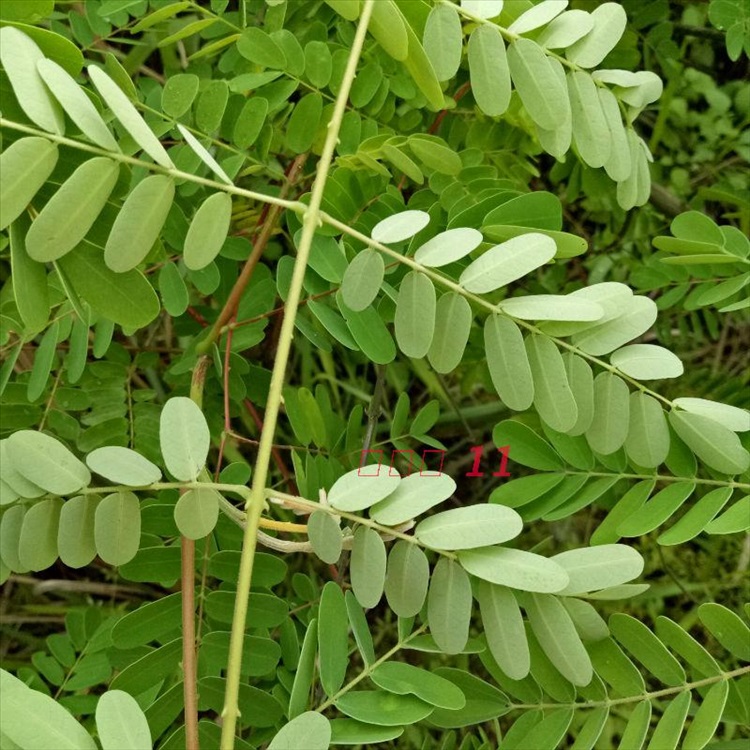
{"x":255,"y":504}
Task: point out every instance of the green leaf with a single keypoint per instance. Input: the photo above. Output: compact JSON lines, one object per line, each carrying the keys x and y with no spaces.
{"x":732,"y":417}
{"x":519,"y":492}
{"x":484,"y":702}
{"x":647,"y":649}
{"x":400,"y":226}
{"x":178,"y":94}
{"x":407,"y":578}
{"x":304,"y":123}
{"x":647,"y":362}
{"x":433,"y":153}
{"x":414,"y":322}
{"x":349,"y":9}
{"x":139,"y":223}
{"x":303,"y":678}
{"x":637,"y":727}
{"x":591,"y":132}
{"x":389,"y":28}
{"x":382,"y":708}
{"x":703,"y":726}
{"x":325,"y":536}
{"x":657,"y":510}
{"x":123,"y":466}
{"x":44,"y":358}
{"x":368,"y":566}
{"x":609,"y":20}
{"x":507,"y":262}
{"x":543,"y":94}
{"x":258,"y":47}
{"x":149,"y":622}
{"x":37,"y":546}
{"x":124,"y":298}
{"x":420,"y":69}
{"x":609,"y":427}
{"x":634,"y":318}
{"x":448,"y":247}
{"x":647,"y":443}
{"x":443,"y":41}
{"x":203,"y":154}
{"x":117,"y":527}
{"x":734,"y":520}
{"x":667,"y":732}
{"x":714,"y":444}
{"x":405,"y":679}
{"x":508,"y":362}
{"x":449,"y":606}
{"x":357,"y":490}
{"x":46,"y":462}
{"x":488,"y":69}
{"x":566,"y":29}
{"x":538,"y":210}
{"x":552,"y":307}
{"x":553,"y":398}
{"x":174,"y":292}
{"x":469,"y":527}
{"x":515,"y":568}
{"x":483,"y":8}
{"x":727,"y":628}
{"x":619,"y":163}
{"x":76,"y":104}
{"x":128,"y":115}
{"x":453,"y":319}
{"x":71,"y":212}
{"x":26,"y":10}
{"x":362,"y":279}
{"x":19,"y":55}
{"x":696,"y":226}
{"x":162,"y":14}
{"x":308,"y":731}
{"x":526,"y":447}
{"x":121,"y":723}
{"x":333,"y":638}
{"x":360,"y":628}
{"x":558,"y":638}
{"x":504,"y":629}
{"x":413,"y":496}
{"x":24,"y":167}
{"x":697,"y":518}
{"x":370,"y":333}
{"x":33,"y":719}
{"x":75,"y":532}
{"x":548,"y":733}
{"x":208,"y":231}
{"x":351,"y":732}
{"x":536,"y":17}
{"x":197,"y":512}
{"x":685,"y":646}
{"x":593,"y":568}
{"x":333,"y":323}
{"x":184,"y":438}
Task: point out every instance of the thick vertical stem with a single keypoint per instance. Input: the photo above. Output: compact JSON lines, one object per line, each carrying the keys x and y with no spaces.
{"x":255,"y":502}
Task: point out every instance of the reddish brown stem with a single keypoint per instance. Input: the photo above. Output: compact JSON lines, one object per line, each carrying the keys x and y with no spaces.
{"x":190,"y":676}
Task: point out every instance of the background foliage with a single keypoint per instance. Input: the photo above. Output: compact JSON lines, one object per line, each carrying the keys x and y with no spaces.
{"x":521,"y":242}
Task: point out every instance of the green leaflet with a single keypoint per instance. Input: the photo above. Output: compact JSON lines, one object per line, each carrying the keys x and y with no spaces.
{"x":208,"y":231}
{"x":10,"y":534}
{"x":434,"y":154}
{"x":76,"y":104}
{"x":174,"y":292}
{"x":414,"y":322}
{"x":449,"y":606}
{"x":197,"y":512}
{"x":703,"y":726}
{"x":407,"y":579}
{"x":139,"y":223}
{"x":318,"y":63}
{"x":731,"y":417}
{"x":448,"y":247}
{"x":349,"y":9}
{"x":714,"y":444}
{"x":382,"y":708}
{"x":258,"y":47}
{"x":591,"y":132}
{"x":184,"y":438}
{"x":637,"y":727}
{"x":421,"y":70}
{"x":581,"y":380}
{"x":178,"y":94}
{"x":515,"y":568}
{"x":24,"y":167}
{"x":552,"y":307}
{"x":635,"y":317}
{"x":558,"y":638}
{"x":668,"y":730}
{"x":686,"y":647}
{"x":303,"y":677}
{"x":325,"y":536}
{"x":647,"y":649}
{"x":390,"y":29}
{"x":508,"y":362}
{"x":117,"y":527}
{"x":368,"y":566}
{"x":593,"y":568}
{"x":46,"y":462}
{"x":124,"y":298}
{"x":360,"y":628}
{"x":553,"y":398}
{"x":469,"y":527}
{"x":413,"y":496}
{"x":443,"y":41}
{"x":203,"y":154}
{"x":453,"y":318}
{"x":123,"y":466}
{"x":37,"y":545}
{"x":727,"y":628}
{"x":19,"y":55}
{"x":647,"y":443}
{"x":526,"y":446}
{"x":399,"y":227}
{"x":657,"y":510}
{"x":538,"y":210}
{"x":507,"y":262}
{"x":566,"y":29}
{"x":609,"y":20}
{"x":250,"y":122}
{"x":15,"y":482}
{"x":128,"y":115}
{"x":362,"y":279}
{"x":489,"y":72}
{"x":333,"y":640}
{"x":697,"y":518}
{"x":618,"y":164}
{"x":360,"y":489}
{"x":647,"y":362}
{"x":120,"y":722}
{"x":44,"y":358}
{"x":734,"y":520}
{"x":304,"y":123}
{"x":504,"y":629}
{"x":609,"y":427}
{"x":71,"y":212}
{"x":369,"y":332}
{"x":333,"y":323}
{"x":405,"y":679}
{"x":352,"y":732}
{"x":310,"y":730}
{"x":542,"y":93}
